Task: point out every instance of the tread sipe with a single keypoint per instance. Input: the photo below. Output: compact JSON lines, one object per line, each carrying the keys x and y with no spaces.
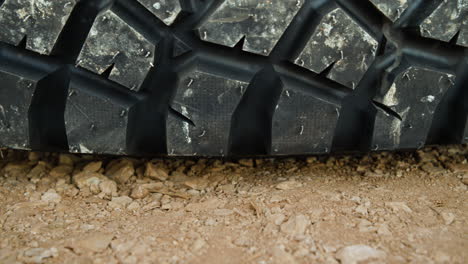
{"x":232,"y":77}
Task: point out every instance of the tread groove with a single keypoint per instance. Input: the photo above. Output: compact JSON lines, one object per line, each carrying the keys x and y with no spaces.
{"x":251,"y":122}
{"x":46,"y":124}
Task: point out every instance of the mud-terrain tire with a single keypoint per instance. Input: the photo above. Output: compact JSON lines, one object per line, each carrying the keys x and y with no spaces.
{"x":232,"y":77}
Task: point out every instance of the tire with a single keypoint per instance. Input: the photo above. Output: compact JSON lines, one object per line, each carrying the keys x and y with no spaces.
{"x":232,"y":77}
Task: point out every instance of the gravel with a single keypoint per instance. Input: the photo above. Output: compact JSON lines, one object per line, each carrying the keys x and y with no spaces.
{"x":382,"y":207}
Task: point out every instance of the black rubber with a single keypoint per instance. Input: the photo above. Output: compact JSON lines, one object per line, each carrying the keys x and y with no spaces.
{"x":231,"y":77}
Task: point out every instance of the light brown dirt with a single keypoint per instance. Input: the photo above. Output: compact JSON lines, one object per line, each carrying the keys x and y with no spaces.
{"x":378,"y":208}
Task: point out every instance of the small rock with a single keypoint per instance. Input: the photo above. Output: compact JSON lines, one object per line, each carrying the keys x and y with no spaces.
{"x":108,"y":189}
{"x":358,"y":253}
{"x":197,"y":183}
{"x":139,"y":192}
{"x":280,"y":256}
{"x":223,"y":212}
{"x":85,"y":179}
{"x":365,"y":226}
{"x":301,"y":252}
{"x":361,"y":209}
{"x":296,"y":225}
{"x":246,"y":162}
{"x":155,"y":173}
{"x":458,"y":167}
{"x":151,"y":206}
{"x":465,"y":179}
{"x":61,"y":171}
{"x":448,"y":217}
{"x":153,"y":187}
{"x":67,"y":159}
{"x":425,"y":156}
{"x":207,"y":205}
{"x":37,"y":255}
{"x":17,"y":169}
{"x":277,"y":219}
{"x":93,"y":243}
{"x":177,"y":176}
{"x":133,"y":205}
{"x":198,"y":244}
{"x":210,"y":222}
{"x":93,"y":166}
{"x":242,"y":240}
{"x":51,"y":196}
{"x":431,"y":169}
{"x":398,"y":206}
{"x":38,"y":171}
{"x":120,"y":202}
{"x":383,"y":230}
{"x":123,"y":174}
{"x":288,"y":185}
{"x":34,"y":156}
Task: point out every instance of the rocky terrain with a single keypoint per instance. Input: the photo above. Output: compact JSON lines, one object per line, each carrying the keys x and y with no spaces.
{"x":378,"y":208}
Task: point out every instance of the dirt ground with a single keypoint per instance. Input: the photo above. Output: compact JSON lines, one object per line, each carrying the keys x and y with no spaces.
{"x":378,"y":208}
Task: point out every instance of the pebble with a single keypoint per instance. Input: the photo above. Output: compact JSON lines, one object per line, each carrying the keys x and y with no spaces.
{"x":155,"y":173}
{"x":246,"y":162}
{"x":198,"y":244}
{"x":38,"y":255}
{"x":93,"y":166}
{"x":277,"y":219}
{"x":383,"y":230}
{"x":362,"y":209}
{"x":223,"y":212}
{"x":85,"y":179}
{"x":51,"y":196}
{"x":120,"y":202}
{"x":197,"y":183}
{"x":133,"y":205}
{"x":67,"y":159}
{"x":280,"y":256}
{"x":359,"y":253}
{"x":152,"y":205}
{"x":34,"y":156}
{"x":38,"y":171}
{"x":97,"y":242}
{"x":296,"y":225}
{"x":448,"y":217}
{"x":398,"y":206}
{"x":139,"y":192}
{"x":458,"y":167}
{"x":288,"y":185}
{"x":122,"y":174}
{"x":61,"y":171}
{"x":108,"y":189}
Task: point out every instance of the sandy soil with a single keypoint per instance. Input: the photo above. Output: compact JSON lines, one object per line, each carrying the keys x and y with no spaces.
{"x":378,"y":208}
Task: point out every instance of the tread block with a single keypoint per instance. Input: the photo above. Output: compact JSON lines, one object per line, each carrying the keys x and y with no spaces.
{"x":308,"y":129}
{"x":262,"y":23}
{"x":209,"y":102}
{"x":340,"y":40}
{"x":166,"y":10}
{"x":113,"y":42}
{"x":95,"y":125}
{"x":15,"y":99}
{"x":446,"y":21}
{"x":391,"y":8}
{"x":41,"y":21}
{"x":414,"y":96}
